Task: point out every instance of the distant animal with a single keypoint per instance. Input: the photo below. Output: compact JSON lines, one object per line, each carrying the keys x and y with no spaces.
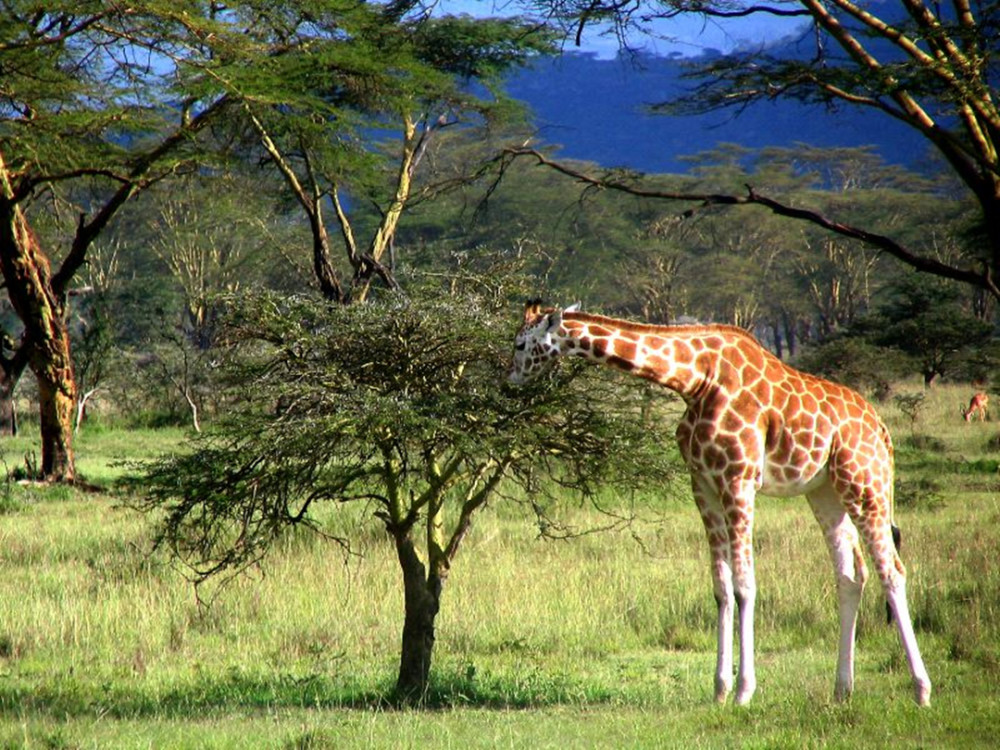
{"x":977,"y":406}
{"x":753,"y":424}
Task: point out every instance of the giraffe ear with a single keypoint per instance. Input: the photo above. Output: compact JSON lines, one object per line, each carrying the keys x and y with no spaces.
{"x":555,"y":320}
{"x":575,"y":307}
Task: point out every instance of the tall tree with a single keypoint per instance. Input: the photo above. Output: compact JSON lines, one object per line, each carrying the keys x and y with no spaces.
{"x":337,"y":77}
{"x":926,"y":64}
{"x":400,"y":407}
{"x":86,"y":122}
{"x":927,"y":320}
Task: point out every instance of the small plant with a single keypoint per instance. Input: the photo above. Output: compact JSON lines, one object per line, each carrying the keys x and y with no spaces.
{"x":927,"y":443}
{"x":911,"y":404}
{"x":9,"y":502}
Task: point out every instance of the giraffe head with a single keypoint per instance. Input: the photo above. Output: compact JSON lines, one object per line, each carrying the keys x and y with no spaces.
{"x":536,"y":345}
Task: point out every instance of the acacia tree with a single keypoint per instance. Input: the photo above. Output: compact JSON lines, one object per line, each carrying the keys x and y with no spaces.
{"x":401,"y":406}
{"x":336,"y":75}
{"x":82,"y":124}
{"x":928,"y":65}
{"x":926,"y":320}
{"x":214,"y":239}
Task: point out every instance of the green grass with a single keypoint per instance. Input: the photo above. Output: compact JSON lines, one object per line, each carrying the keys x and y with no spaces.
{"x":595,"y":642}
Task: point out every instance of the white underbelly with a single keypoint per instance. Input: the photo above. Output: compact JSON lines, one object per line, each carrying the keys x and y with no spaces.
{"x":776,"y":482}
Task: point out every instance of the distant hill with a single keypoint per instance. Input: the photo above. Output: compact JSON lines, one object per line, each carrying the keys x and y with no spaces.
{"x":595,"y":109}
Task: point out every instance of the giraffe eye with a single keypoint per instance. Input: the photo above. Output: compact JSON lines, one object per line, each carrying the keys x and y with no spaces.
{"x":520,"y":346}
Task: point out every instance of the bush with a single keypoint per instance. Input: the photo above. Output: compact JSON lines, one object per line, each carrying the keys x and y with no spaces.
{"x":925,"y":494}
{"x":855,"y":363}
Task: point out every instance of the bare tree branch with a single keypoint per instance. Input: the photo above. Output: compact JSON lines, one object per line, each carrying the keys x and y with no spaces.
{"x":982,"y":279}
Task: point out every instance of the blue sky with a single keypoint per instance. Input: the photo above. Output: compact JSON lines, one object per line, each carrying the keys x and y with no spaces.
{"x":686,"y":35}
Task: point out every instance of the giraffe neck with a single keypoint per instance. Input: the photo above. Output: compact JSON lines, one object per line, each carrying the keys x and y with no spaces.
{"x":682,"y":358}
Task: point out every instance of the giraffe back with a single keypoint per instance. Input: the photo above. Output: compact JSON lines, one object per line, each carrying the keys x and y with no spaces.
{"x":759,"y":419}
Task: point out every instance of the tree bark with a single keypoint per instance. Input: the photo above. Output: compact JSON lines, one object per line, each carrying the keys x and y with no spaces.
{"x":28,"y":278}
{"x":329,"y":283}
{"x":57,"y":400}
{"x":422,"y":600}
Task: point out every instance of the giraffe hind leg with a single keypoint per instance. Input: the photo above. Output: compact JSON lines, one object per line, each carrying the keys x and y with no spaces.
{"x":878,"y":536}
{"x":896,"y":594}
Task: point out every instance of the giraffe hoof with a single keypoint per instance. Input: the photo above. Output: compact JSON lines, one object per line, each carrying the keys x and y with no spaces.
{"x":744,"y":694}
{"x":842,"y":693}
{"x":722,"y":689}
{"x":923,"y":693}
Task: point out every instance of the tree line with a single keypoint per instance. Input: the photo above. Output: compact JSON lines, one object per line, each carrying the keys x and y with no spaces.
{"x":144,"y":317}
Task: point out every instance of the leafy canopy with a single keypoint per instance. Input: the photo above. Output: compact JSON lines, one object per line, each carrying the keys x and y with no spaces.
{"x":402,"y":405}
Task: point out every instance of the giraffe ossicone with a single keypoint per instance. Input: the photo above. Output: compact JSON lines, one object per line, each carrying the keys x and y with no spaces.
{"x":754,"y":424}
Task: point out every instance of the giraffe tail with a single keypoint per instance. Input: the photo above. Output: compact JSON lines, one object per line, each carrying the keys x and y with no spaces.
{"x":897,"y":535}
{"x":897,"y":540}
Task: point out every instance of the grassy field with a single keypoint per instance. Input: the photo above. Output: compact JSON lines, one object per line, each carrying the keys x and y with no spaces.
{"x":606,"y":640}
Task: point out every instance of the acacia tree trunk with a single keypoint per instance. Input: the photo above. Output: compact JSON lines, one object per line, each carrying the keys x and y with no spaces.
{"x":414,"y":144}
{"x":28,"y":278}
{"x":49,"y":358}
{"x":422,"y":600}
{"x":57,"y":401}
{"x":311,"y":200}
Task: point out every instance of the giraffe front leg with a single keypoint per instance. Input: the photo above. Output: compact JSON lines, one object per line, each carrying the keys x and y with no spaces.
{"x":746,"y":599}
{"x":724,"y":597}
{"x":739,"y":513}
{"x":722,"y":581}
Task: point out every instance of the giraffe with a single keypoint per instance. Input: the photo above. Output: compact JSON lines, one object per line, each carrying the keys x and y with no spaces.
{"x":977,"y":407}
{"x":754,"y":424}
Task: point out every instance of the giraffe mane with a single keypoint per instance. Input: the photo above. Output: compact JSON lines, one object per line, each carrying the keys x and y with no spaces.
{"x":646,"y":328}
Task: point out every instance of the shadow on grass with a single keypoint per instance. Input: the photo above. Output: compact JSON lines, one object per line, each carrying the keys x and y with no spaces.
{"x":242,"y":691}
{"x":936,"y":459}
